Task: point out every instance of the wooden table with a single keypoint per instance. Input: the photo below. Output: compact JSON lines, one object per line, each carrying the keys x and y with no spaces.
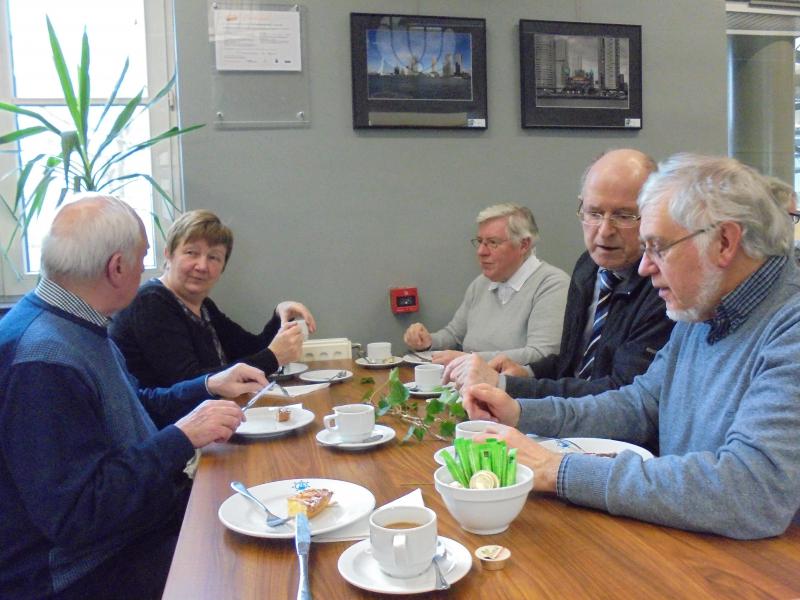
{"x":559,"y":551}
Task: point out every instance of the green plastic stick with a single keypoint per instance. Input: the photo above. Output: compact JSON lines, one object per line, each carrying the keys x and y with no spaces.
{"x":462,"y":451}
{"x":485,"y":453}
{"x":511,"y":468}
{"x":455,"y":469}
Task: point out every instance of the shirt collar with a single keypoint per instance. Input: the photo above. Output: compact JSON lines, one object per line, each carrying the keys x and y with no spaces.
{"x":55,"y":295}
{"x":737,"y":305}
{"x":520,"y":276}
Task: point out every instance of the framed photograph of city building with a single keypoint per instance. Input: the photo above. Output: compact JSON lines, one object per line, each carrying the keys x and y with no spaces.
{"x":418,"y":71}
{"x":580,"y":74}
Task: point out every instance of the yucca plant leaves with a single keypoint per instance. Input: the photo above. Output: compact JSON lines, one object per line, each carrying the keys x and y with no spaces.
{"x":88,"y":171}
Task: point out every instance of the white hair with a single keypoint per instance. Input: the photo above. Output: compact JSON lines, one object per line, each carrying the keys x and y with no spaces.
{"x":98,"y":226}
{"x":703,"y":191}
{"x":521,"y":223}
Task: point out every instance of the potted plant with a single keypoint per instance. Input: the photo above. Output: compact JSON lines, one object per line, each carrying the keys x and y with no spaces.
{"x":83,"y":163}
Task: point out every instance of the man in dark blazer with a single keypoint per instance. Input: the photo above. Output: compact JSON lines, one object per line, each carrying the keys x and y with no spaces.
{"x":615,"y":321}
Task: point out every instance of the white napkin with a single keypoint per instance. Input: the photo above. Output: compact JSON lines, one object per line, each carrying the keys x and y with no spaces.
{"x":360,"y":529}
{"x":294,"y":391}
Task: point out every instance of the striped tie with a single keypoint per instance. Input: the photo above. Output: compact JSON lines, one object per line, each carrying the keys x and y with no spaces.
{"x":608,"y":282}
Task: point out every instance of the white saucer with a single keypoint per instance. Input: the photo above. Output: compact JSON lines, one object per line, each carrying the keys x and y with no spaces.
{"x":594,"y":446}
{"x":390,"y":362}
{"x":359,"y":568}
{"x":330,"y":438}
{"x":413,"y":359}
{"x":289,"y":371}
{"x":420,"y":394}
{"x":326,"y":376}
{"x":437,"y":456}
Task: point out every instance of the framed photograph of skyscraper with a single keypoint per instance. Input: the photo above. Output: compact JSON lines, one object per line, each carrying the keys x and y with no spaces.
{"x":580,"y":74}
{"x":418,"y":71}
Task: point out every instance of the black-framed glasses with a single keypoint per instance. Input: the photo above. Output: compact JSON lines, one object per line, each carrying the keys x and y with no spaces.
{"x":596,"y":218}
{"x":490,"y":243}
{"x":657,"y":253}
{"x":795,"y":217}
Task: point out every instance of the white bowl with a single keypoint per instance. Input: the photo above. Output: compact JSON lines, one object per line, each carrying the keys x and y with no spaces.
{"x":484,"y":511}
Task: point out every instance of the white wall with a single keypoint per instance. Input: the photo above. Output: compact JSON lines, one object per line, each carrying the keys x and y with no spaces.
{"x":334,"y":217}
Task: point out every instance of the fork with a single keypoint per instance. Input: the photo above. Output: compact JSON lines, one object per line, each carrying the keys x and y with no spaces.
{"x":337,"y":375}
{"x":272,"y":519}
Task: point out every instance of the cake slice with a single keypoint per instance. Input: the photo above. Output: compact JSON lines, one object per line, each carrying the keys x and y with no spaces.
{"x":311,"y":501}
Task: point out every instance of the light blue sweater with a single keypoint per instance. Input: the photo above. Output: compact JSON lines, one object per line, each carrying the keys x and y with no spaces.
{"x":726,"y":417}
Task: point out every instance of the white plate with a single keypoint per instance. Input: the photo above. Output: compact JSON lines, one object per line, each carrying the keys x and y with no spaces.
{"x":331,"y":438}
{"x":289,"y":371}
{"x":243,"y":516}
{"x":325,"y":375}
{"x":413,"y":359}
{"x":392,"y":361}
{"x":437,"y":456}
{"x":595,"y":445}
{"x":358,"y":567}
{"x":263,"y":421}
{"x":420,"y":394}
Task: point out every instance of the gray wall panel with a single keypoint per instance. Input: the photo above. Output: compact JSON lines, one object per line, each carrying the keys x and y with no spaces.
{"x":334,"y":217}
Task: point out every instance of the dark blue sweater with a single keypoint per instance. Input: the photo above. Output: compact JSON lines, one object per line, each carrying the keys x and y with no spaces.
{"x":84,"y":468}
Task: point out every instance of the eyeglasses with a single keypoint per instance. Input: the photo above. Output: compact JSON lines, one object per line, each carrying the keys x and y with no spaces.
{"x":620,"y":220}
{"x":657,"y":253}
{"x":795,"y":217}
{"x":490,"y":243}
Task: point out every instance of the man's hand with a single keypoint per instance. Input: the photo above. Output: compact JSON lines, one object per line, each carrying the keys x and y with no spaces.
{"x":294,"y":310}
{"x":417,"y":337}
{"x":502,"y":364}
{"x":485,"y":402}
{"x":212,"y":421}
{"x":444,"y":357}
{"x":470,"y":369}
{"x":544,"y":463}
{"x":287,"y":345}
{"x":236,"y":380}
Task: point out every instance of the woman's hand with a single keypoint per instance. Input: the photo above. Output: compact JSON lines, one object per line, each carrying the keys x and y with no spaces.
{"x":287,"y":346}
{"x":290,"y":309}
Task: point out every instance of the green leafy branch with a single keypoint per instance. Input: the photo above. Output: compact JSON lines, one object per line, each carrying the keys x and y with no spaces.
{"x":440,"y":415}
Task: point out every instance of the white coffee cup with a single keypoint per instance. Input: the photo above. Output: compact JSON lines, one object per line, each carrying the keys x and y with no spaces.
{"x":469,"y":429}
{"x":428,"y":376}
{"x":379,"y":351}
{"x":353,"y":422}
{"x":400,"y":549}
{"x":301,"y":323}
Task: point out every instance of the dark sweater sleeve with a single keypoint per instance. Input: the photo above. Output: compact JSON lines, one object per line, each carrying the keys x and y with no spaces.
{"x":632,"y":357}
{"x":78,"y":488}
{"x":242,"y":346}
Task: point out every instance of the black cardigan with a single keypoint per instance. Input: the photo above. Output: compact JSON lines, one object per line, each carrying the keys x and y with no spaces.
{"x":636,"y":328}
{"x":163,"y":345}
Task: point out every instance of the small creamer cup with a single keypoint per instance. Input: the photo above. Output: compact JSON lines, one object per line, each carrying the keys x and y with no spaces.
{"x":428,"y":376}
{"x":469,"y":429}
{"x":353,"y":422}
{"x":301,"y":323}
{"x":379,"y":351}
{"x":403,"y":552}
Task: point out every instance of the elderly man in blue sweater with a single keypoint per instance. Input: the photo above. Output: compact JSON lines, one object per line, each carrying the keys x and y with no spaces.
{"x":92,"y":482}
{"x":721,"y":399}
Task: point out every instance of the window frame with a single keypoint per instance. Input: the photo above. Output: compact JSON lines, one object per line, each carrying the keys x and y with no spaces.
{"x":164,"y":157}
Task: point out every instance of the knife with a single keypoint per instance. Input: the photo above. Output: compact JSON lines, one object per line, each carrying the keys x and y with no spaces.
{"x":302,"y":541}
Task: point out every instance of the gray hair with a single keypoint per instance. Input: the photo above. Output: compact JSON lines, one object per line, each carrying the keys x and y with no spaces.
{"x":707,"y":190}
{"x":783,"y":193}
{"x":521,"y":223}
{"x":86,"y":233}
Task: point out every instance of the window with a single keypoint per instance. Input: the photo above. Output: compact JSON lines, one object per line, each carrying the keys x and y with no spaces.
{"x":134,"y":29}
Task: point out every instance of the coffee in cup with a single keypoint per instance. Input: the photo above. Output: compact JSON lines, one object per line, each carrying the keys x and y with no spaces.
{"x":403,"y":539}
{"x":428,"y":376}
{"x":379,"y":351}
{"x":353,"y":422}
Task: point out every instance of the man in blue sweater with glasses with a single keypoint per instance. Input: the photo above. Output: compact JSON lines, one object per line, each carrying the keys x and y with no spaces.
{"x":721,"y":400}
{"x":92,"y":482}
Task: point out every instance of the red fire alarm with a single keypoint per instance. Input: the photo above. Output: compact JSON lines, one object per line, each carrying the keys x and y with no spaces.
{"x":403,"y":300}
